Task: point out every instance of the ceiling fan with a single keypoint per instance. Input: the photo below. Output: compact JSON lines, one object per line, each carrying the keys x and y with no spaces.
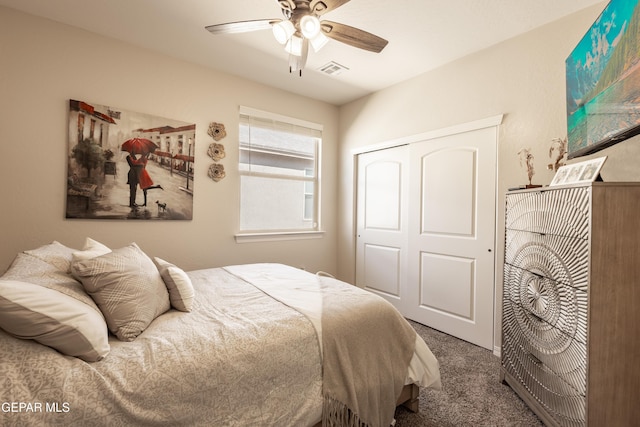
{"x":301,"y":26}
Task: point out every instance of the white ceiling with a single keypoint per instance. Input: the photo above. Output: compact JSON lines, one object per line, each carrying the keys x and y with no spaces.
{"x":422,"y":35}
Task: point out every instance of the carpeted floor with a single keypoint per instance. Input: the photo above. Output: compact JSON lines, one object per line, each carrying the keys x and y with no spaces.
{"x":472,"y":393}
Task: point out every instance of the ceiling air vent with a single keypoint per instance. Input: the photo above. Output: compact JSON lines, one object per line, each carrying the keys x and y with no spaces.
{"x":333,"y":68}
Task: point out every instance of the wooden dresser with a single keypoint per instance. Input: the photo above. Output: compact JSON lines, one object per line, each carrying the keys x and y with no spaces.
{"x":571,"y":303}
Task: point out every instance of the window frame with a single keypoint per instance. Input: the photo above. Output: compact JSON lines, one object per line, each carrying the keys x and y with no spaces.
{"x":283,"y":234}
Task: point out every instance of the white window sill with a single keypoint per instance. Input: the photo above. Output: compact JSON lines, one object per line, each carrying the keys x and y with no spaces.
{"x":276,"y":236}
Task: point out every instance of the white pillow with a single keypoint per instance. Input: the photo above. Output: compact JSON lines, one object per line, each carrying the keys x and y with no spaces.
{"x":27,"y":268}
{"x":180,"y":288}
{"x":127,"y":287}
{"x":91,"y":249}
{"x":29,"y":311}
{"x":55,"y":253}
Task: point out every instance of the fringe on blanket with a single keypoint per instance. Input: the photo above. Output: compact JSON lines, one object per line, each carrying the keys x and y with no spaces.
{"x":337,"y":414}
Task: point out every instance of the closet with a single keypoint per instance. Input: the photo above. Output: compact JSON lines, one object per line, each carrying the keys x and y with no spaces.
{"x":426,"y":228}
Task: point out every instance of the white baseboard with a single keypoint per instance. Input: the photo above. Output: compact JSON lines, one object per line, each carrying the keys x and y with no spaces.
{"x":497,"y":351}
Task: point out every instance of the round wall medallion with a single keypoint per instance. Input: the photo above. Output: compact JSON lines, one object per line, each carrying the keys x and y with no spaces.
{"x":216,"y":172}
{"x":217,"y":131}
{"x":216,"y":151}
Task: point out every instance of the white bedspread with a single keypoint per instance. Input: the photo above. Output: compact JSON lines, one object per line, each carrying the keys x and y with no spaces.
{"x":237,"y":359}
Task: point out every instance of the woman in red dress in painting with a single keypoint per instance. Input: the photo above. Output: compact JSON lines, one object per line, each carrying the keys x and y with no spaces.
{"x":144,"y":179}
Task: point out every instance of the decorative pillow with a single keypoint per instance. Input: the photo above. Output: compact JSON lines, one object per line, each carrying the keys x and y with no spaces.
{"x":27,"y":268}
{"x":127,"y":287}
{"x":55,"y":253}
{"x":91,"y":249}
{"x":29,"y":311}
{"x":180,"y":288}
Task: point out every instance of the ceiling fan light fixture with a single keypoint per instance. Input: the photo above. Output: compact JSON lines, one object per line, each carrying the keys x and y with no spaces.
{"x":298,"y":62}
{"x":318,"y":41}
{"x":283,"y":31}
{"x":294,"y":46}
{"x":310,"y":26}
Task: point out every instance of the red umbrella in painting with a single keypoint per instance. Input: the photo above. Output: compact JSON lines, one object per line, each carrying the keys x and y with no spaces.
{"x":139,"y":146}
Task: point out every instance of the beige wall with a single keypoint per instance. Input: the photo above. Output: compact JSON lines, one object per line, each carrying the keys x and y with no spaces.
{"x":43,"y":64}
{"x":522,"y":78}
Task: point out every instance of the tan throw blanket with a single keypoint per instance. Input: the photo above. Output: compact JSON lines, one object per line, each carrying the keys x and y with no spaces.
{"x":366,"y":343}
{"x":367,"y":348}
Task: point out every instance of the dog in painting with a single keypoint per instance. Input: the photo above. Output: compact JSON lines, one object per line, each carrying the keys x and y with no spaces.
{"x":161,"y":206}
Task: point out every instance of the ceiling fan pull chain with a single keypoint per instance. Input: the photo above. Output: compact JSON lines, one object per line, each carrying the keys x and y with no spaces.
{"x":291,"y":71}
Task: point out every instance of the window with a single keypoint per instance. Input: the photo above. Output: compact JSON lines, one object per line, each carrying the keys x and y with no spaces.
{"x":279,"y":185}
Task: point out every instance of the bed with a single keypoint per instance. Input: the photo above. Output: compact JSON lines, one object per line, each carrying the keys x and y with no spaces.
{"x":95,"y":337}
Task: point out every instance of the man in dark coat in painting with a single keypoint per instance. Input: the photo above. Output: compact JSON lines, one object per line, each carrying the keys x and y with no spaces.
{"x":133,"y":178}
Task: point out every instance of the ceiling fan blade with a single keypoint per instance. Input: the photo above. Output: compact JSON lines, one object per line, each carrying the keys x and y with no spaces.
{"x":353,"y":36}
{"x":242,"y":26}
{"x":320,"y":7}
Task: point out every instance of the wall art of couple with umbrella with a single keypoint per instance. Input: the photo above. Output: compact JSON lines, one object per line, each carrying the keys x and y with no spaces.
{"x":127,"y":165}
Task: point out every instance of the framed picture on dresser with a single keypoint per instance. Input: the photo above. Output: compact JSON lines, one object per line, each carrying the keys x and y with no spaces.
{"x":583,"y":172}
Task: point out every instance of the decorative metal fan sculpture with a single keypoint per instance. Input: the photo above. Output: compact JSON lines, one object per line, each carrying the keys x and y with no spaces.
{"x":302,"y":27}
